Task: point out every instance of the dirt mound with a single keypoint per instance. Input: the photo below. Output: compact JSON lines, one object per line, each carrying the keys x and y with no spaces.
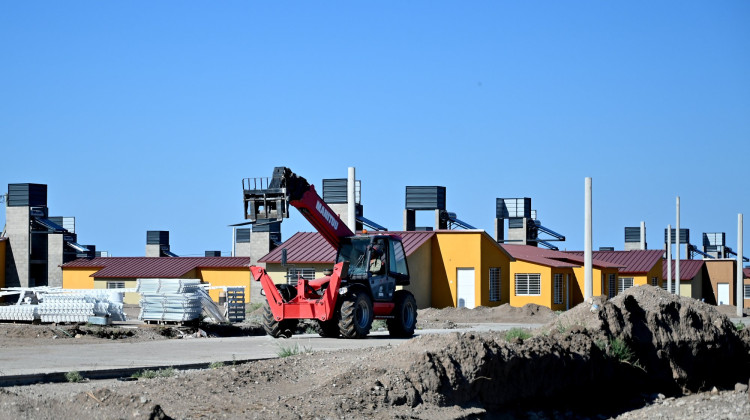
{"x":682,"y":343}
{"x":643,"y":341}
{"x":529,"y":313}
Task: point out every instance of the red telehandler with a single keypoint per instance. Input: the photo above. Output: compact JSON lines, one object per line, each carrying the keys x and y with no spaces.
{"x":363,"y":284}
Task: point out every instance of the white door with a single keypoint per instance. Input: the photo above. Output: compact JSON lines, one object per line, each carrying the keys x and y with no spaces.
{"x":466,"y":285}
{"x":723,"y":294}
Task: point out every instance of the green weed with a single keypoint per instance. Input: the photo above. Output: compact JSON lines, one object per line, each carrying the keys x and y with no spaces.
{"x":150,"y":373}
{"x":378,"y":324}
{"x":293,"y":350}
{"x":619,"y":350}
{"x":215,"y":365}
{"x":740,"y":326}
{"x":74,"y":376}
{"x":519,"y":333}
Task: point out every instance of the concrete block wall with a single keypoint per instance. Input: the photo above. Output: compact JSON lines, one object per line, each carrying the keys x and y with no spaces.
{"x":55,"y":248}
{"x":17,"y":257}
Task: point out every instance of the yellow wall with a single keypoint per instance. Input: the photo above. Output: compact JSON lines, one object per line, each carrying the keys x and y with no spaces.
{"x":461,"y":249}
{"x":226,"y":277}
{"x":453,"y":251}
{"x":132,"y":298}
{"x":278,"y":273}
{"x":493,"y":257}
{"x":524,"y":267}
{"x":600,"y":285}
{"x":420,"y":275}
{"x":78,"y":278}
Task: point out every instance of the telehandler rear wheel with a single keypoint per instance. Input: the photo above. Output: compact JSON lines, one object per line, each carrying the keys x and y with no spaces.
{"x":274,"y":328}
{"x":405,"y":315}
{"x":356,"y":315}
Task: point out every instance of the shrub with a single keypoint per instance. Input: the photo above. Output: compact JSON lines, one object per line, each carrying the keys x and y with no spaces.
{"x":215,"y":365}
{"x":619,"y":350}
{"x":74,"y":376}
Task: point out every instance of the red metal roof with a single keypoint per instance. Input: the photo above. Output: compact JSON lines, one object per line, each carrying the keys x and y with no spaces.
{"x":746,"y":272}
{"x":312,"y":248}
{"x":635,"y":261}
{"x":550,"y":258}
{"x":154,"y":267}
{"x":688,"y":269}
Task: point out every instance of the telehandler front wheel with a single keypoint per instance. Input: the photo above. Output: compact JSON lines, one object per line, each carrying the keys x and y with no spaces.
{"x":405,"y":315}
{"x":356,"y":315}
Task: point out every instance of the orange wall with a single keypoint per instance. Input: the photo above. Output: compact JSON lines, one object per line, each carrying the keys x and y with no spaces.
{"x":454,"y":250}
{"x":78,"y":278}
{"x":226,"y":277}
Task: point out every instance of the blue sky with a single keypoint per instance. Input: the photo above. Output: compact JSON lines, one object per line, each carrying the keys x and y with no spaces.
{"x":147,"y":115}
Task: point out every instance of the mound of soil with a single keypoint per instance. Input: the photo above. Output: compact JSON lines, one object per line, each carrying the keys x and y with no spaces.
{"x":440,"y":318}
{"x":685,"y":345}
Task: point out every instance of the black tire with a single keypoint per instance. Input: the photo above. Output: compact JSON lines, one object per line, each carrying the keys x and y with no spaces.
{"x":283,"y":328}
{"x":405,"y":315}
{"x":356,"y":315}
{"x":328,"y":328}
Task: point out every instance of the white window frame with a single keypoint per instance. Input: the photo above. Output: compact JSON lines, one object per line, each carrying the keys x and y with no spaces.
{"x":495,"y":283}
{"x":528,"y":284}
{"x":115,"y":285}
{"x":622,"y":286}
{"x":306,"y":273}
{"x":612,"y":290}
{"x":558,"y":289}
{"x":747,"y":291}
{"x":664,"y":285}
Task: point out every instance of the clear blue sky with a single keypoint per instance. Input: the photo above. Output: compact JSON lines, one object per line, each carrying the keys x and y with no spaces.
{"x":147,"y":115}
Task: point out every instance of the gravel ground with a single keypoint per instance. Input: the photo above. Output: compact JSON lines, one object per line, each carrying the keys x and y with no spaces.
{"x":445,"y":376}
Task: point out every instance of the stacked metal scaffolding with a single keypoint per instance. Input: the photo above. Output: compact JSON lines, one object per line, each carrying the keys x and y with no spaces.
{"x":47,"y":304}
{"x":175,"y":300}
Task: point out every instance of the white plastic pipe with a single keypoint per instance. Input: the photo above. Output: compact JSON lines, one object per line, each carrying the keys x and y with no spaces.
{"x":643,"y":235}
{"x":351,"y":216}
{"x":740,"y":282}
{"x":669,"y":258}
{"x":679,"y":243}
{"x":588,"y":278}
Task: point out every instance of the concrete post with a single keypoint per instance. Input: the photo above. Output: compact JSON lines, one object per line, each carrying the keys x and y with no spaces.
{"x":669,"y":258}
{"x":643,"y":235}
{"x":740,"y":301}
{"x":677,"y":261}
{"x":588,"y":251}
{"x":351,"y":214}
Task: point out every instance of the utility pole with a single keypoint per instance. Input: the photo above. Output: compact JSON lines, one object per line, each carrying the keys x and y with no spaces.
{"x":679,"y":242}
{"x":351,"y":216}
{"x":740,"y":282}
{"x":588,"y":239}
{"x":669,"y":258}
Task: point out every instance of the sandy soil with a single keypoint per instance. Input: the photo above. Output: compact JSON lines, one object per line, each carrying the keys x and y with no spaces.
{"x":679,"y":350}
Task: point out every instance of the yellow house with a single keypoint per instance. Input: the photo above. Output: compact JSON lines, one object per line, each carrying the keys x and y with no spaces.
{"x":448,"y":268}
{"x":469,"y":269}
{"x":123,"y":272}
{"x":637,"y":267}
{"x":552,"y":278}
